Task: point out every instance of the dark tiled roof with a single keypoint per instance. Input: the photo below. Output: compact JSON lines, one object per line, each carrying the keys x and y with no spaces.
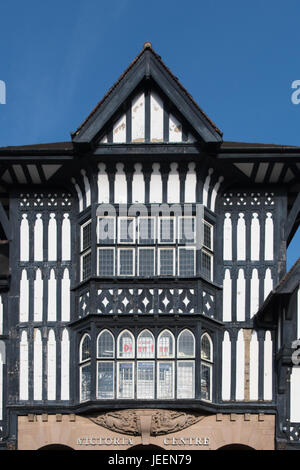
{"x":60,"y":146}
{"x":147,"y":46}
{"x":242,"y":145}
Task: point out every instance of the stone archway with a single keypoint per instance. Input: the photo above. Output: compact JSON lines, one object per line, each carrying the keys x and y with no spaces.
{"x":236,"y":447}
{"x":143,"y":448}
{"x":55,"y":447}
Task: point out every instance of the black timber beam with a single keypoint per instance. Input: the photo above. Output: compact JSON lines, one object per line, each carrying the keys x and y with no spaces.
{"x":292,"y":222}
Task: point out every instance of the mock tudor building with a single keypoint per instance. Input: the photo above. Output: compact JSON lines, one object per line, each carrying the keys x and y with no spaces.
{"x":144,"y":295}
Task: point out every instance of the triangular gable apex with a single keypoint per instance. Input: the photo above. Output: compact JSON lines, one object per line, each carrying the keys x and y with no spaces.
{"x":147,"y":64}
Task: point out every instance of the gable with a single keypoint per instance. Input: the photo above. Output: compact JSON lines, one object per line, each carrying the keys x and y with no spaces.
{"x":148,"y":118}
{"x":149,"y":69}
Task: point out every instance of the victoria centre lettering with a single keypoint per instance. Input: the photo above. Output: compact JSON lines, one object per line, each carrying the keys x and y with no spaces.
{"x":125,"y":441}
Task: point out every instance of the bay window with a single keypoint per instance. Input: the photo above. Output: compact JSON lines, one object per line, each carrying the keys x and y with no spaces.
{"x":146,"y":367}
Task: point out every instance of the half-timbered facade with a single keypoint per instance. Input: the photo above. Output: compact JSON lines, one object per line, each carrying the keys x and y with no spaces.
{"x":141,"y":264}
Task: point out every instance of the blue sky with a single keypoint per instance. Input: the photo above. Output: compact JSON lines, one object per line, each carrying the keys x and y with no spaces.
{"x":237,"y":59}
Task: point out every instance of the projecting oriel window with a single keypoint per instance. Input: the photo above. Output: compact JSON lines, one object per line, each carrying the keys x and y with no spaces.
{"x":161,"y":368}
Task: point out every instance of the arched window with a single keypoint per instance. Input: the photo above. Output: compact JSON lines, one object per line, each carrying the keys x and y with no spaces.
{"x":165,"y":345}
{"x":145,"y":345}
{"x":185,"y":368}
{"x":106,"y":345}
{"x":206,"y":367}
{"x":126,"y":345}
{"x":186,"y":344}
{"x":165,"y":369}
{"x":105,"y":369}
{"x":85,"y":367}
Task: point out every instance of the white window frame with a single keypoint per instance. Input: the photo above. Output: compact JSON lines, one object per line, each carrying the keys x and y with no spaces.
{"x":182,"y":358}
{"x":211,"y":248}
{"x":138,"y":230}
{"x":186,"y":247}
{"x":81,"y":235}
{"x":189,"y":242}
{"x":98,"y":222}
{"x":207,"y":362}
{"x":133,"y":261}
{"x":82,"y":361}
{"x":194,"y":378}
{"x":133,"y":379}
{"x":114,"y":344}
{"x":174,"y":260}
{"x":137,"y":380}
{"x":210,"y":366}
{"x":173,"y":338}
{"x":89,"y":251}
{"x":137,"y":345}
{"x":159,"y":230}
{"x":114,"y":376}
{"x":158,"y":381}
{"x":211,"y":264}
{"x":82,"y":365}
{"x":114,"y":260}
{"x":138,"y":260}
{"x":133,"y":345}
{"x":134,"y":230}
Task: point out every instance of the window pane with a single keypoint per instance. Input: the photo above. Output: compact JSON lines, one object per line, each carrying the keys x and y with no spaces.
{"x":165,"y":386}
{"x":186,"y":262}
{"x":126,"y":260}
{"x":186,"y":344}
{"x":106,"y":345}
{"x":165,"y":345}
{"x":145,"y":345}
{"x":126,"y":345}
{"x":106,"y":230}
{"x":126,"y":230}
{"x":166,"y":261}
{"x":166,"y":230}
{"x":186,"y":229}
{"x":185,"y":379}
{"x":106,"y":380}
{"x":206,"y":264}
{"x":86,"y":236}
{"x":85,"y":266}
{"x":145,"y":380}
{"x":85,"y":349}
{"x":205,"y":382}
{"x":206,"y":352}
{"x":146,"y":230}
{"x":85,"y":385}
{"x":125,"y":384}
{"x":106,"y":260}
{"x":146,"y":261}
{"x":207,"y":236}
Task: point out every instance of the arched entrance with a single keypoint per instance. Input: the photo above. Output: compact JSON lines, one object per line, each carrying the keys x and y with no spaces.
{"x":141,"y":447}
{"x":236,"y":447}
{"x":55,"y":447}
